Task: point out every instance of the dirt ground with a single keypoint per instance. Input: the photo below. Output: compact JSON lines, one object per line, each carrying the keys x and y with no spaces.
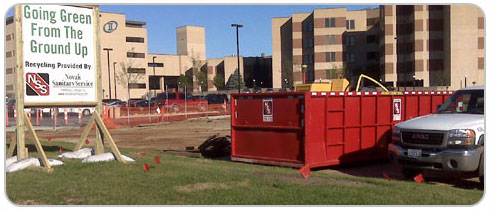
{"x":163,"y":136}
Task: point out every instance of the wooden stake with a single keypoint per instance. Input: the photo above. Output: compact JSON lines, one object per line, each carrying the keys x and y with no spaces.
{"x":104,"y":130}
{"x":38,"y":145}
{"x":10,"y":151}
{"x":85,"y":133}
{"x":40,"y":168}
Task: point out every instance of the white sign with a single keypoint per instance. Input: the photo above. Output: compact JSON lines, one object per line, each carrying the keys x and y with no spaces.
{"x":58,"y":54}
{"x":396,"y":110}
{"x":268,"y":110}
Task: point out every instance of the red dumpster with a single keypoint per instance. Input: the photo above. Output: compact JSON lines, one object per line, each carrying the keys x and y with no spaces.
{"x":315,"y":129}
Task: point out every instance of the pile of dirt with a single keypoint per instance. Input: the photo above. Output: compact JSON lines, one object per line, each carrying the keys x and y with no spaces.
{"x":216,"y":146}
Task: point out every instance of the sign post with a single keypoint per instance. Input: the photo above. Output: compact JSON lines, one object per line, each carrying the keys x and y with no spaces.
{"x":57,"y":64}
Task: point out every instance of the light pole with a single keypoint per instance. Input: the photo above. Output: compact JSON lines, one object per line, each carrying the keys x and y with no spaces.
{"x":114,"y":76}
{"x":153,"y":65}
{"x":414,"y":82}
{"x":108,"y":70}
{"x":304,"y":70}
{"x":237,"y":26}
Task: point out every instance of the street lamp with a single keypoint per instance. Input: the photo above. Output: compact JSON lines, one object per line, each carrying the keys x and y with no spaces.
{"x":304,"y":74}
{"x":414,"y":82}
{"x":108,"y":70}
{"x":153,"y":65}
{"x":114,"y":75}
{"x":237,"y":26}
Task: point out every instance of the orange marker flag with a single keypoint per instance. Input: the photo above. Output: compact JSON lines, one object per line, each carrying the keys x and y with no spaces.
{"x":61,"y":149}
{"x":386,"y":176}
{"x":156,"y":160}
{"x":419,"y":178}
{"x":146,"y":168}
{"x":305,"y":171}
{"x":87,"y":141}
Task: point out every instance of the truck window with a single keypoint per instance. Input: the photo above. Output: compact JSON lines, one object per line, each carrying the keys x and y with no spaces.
{"x":172,"y":96}
{"x":465,"y":101}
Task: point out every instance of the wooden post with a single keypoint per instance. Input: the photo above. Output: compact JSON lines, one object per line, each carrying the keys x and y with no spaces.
{"x":19,"y":83}
{"x":10,"y":151}
{"x":38,"y":145}
{"x":104,"y":130}
{"x":85,"y":133}
{"x":99,"y":146}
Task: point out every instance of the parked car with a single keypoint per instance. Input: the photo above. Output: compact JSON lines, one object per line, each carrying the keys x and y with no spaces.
{"x":215,"y":98}
{"x":110,"y":101}
{"x":451,"y":140}
{"x":116,"y":104}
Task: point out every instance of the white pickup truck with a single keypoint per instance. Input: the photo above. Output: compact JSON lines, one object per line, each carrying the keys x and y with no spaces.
{"x":450,"y":140}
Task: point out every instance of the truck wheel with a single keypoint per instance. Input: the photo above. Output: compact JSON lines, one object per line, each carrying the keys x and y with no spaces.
{"x":410,"y":173}
{"x":86,"y":112}
{"x":176,"y":108}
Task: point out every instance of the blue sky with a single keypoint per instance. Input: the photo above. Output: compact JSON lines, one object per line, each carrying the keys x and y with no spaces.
{"x":255,"y":36}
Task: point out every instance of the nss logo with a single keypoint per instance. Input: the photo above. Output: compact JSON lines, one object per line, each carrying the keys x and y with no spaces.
{"x":37,"y":84}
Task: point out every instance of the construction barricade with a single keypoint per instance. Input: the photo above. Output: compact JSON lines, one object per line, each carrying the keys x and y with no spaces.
{"x":316,"y":129}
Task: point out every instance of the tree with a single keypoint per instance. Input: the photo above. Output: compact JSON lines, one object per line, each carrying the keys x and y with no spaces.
{"x":203,"y":80}
{"x":286,"y":72}
{"x":197,"y":70}
{"x":128,"y":76}
{"x":184,"y":80}
{"x":233,"y":81}
{"x":219,"y":81}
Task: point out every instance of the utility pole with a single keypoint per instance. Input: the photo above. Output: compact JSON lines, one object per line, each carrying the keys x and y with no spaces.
{"x":237,"y":26}
{"x":108,"y":70}
{"x":114,"y":77}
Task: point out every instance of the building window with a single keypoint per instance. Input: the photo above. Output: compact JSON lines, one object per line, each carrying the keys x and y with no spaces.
{"x":372,"y":56}
{"x":331,"y":39}
{"x":371,"y":21}
{"x":331,"y":73}
{"x":135,"y":39}
{"x":308,"y":43}
{"x":330,"y":22}
{"x":349,"y":57}
{"x":349,"y":41}
{"x":8,"y":37}
{"x":8,"y":54}
{"x":372,"y":39}
{"x":9,"y":71}
{"x":350,"y":24}
{"x":137,"y":85}
{"x":308,"y":26}
{"x":155,"y":64}
{"x":330,"y":56}
{"x":308,"y":59}
{"x":135,"y":55}
{"x":136,"y":70}
{"x":9,"y":87}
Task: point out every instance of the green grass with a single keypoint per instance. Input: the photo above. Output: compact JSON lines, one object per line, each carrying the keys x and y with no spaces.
{"x":181,"y":180}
